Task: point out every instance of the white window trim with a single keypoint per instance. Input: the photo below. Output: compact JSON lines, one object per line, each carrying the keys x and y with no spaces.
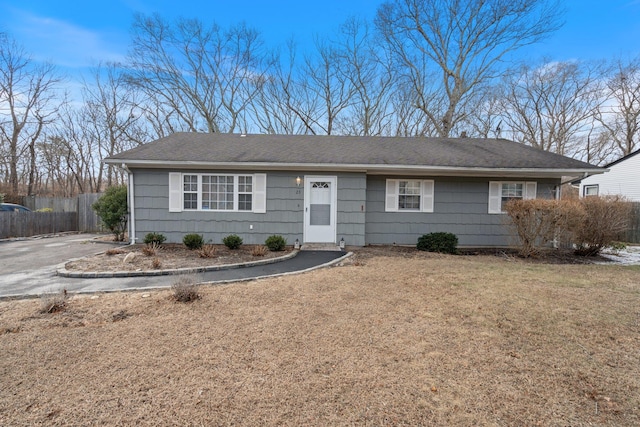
{"x":258,"y":199}
{"x":529,"y":188}
{"x":426,"y":195}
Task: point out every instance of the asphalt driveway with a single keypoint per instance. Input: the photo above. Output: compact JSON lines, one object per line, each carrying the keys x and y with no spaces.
{"x":28,"y":267}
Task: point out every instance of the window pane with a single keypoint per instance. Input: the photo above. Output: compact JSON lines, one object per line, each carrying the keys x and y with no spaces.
{"x":409,"y":202}
{"x":409,"y":195}
{"x":591,"y":190}
{"x":191,"y":201}
{"x":244,"y":202}
{"x":511,"y":191}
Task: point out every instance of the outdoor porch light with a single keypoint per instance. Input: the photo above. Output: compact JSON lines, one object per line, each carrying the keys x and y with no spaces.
{"x":298,"y":181}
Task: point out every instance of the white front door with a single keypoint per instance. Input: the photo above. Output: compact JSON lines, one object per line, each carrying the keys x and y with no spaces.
{"x":320,"y":209}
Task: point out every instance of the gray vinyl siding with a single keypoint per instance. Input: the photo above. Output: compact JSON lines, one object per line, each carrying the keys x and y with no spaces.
{"x":284,"y":216}
{"x":352,"y":193}
{"x":460,"y":207}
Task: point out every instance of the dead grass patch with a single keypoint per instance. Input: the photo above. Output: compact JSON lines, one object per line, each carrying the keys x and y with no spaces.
{"x":412,"y":339}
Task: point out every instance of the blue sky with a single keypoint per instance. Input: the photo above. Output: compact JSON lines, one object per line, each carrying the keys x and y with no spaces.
{"x":78,"y":34}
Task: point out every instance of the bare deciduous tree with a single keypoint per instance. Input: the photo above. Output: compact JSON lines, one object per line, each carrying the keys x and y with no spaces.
{"x":204,"y":76}
{"x":620,"y":115}
{"x":450,"y":48}
{"x":280,"y":107}
{"x":551,"y":106}
{"x":112,"y":108}
{"x":368,"y":70}
{"x":28,"y":103}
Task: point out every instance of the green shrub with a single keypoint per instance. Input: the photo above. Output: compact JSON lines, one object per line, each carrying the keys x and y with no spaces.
{"x":275,"y":243}
{"x":438,"y":242}
{"x":232,"y":241}
{"x":193,"y":241}
{"x":112,"y":210}
{"x":150,"y":238}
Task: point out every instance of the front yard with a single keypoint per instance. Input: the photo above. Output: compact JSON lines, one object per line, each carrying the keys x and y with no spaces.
{"x":408,"y":339}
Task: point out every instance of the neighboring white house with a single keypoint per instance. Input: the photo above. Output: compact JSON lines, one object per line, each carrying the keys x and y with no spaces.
{"x":623,"y":178}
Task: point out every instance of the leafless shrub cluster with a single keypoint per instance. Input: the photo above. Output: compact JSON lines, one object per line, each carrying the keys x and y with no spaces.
{"x":535,"y":223}
{"x":185,"y":289}
{"x":600,"y":220}
{"x":156,"y":263}
{"x":259,"y":250}
{"x":112,"y":252}
{"x":151,"y":249}
{"x":207,"y":251}
{"x":590,"y":224}
{"x":53,"y":302}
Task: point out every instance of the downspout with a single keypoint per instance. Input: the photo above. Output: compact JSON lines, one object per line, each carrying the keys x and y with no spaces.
{"x":132,"y":210}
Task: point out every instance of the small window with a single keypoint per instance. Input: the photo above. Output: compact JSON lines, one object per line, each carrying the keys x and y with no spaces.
{"x":409,"y":195}
{"x":590,"y":190}
{"x":511,"y":191}
{"x":501,"y":192}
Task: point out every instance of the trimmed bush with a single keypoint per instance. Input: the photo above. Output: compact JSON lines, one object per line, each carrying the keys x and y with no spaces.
{"x":438,"y":242}
{"x":193,"y":241}
{"x":154,"y":238}
{"x":232,"y":241}
{"x":275,"y":243}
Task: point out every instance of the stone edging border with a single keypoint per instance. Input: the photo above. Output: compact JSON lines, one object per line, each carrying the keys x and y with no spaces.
{"x":63,"y":272}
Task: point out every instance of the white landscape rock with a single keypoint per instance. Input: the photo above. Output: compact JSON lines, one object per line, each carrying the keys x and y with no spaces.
{"x":130,"y":258}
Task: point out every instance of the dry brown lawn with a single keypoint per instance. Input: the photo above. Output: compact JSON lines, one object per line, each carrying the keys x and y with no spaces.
{"x":411,"y":339}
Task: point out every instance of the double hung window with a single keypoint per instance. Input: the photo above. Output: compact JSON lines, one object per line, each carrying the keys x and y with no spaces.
{"x":501,"y":192}
{"x":217,"y":192}
{"x":409,"y":195}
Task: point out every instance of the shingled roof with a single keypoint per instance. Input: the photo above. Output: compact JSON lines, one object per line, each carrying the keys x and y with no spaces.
{"x":371,"y":154}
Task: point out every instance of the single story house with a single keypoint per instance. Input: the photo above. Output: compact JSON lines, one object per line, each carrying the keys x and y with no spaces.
{"x":622,"y":179}
{"x":323,"y":189}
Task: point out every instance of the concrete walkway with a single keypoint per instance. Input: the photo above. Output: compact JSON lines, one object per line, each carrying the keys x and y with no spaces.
{"x":28,"y":280}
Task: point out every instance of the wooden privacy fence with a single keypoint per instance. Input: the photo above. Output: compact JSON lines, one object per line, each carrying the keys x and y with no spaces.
{"x":56,"y":204}
{"x":88,"y":221}
{"x":25,"y":224}
{"x":69,"y":214}
{"x":633,"y":233}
